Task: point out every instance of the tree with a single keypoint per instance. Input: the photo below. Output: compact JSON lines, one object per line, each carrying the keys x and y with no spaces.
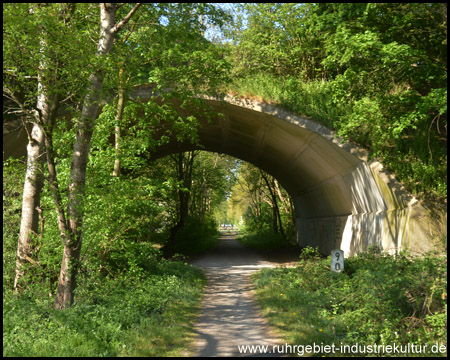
{"x":72,"y":241}
{"x":263,"y":204}
{"x":30,"y":203}
{"x":184,"y":163}
{"x":85,"y":127}
{"x":375,"y":72}
{"x":213,"y":178}
{"x":68,"y":83}
{"x":277,"y":223}
{"x":35,"y":101}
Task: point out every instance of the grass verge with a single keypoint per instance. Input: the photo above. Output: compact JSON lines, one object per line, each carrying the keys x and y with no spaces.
{"x":378,"y":300}
{"x":148,"y":313}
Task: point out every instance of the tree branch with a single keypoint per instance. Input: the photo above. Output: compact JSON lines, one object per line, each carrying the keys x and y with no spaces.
{"x":125,"y":20}
{"x":30,"y":113}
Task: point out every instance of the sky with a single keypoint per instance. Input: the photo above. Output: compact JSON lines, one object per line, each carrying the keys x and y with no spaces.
{"x":215,"y":34}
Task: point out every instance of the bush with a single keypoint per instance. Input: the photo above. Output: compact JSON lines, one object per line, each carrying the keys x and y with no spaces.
{"x":310,"y":253}
{"x":264,"y":240}
{"x":195,"y":237}
{"x":378,"y":299}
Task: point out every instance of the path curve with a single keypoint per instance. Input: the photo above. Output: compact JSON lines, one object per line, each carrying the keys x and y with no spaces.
{"x":230,"y":316}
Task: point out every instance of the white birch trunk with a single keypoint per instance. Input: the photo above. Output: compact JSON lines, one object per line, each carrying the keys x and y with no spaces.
{"x":30,"y":201}
{"x":72,"y":246}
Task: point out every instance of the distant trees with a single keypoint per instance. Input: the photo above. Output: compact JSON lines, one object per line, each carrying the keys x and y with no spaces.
{"x":262,"y":203}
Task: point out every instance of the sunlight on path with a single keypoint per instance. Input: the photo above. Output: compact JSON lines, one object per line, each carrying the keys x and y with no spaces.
{"x":230,"y":317}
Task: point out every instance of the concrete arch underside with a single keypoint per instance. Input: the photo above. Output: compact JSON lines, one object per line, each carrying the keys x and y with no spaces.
{"x":342,"y":201}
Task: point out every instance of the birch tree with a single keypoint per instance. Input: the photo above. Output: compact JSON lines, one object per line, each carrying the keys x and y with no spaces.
{"x":32,"y":89}
{"x":72,"y":243}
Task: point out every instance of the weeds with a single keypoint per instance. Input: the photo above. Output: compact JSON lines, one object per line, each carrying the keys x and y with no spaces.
{"x":378,"y":299}
{"x":145,"y":314}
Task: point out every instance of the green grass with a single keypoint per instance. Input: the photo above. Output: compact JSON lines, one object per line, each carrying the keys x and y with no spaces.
{"x":149,"y":313}
{"x":378,"y":299}
{"x":314,"y":98}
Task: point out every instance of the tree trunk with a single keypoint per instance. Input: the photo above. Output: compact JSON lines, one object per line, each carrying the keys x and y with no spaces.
{"x":34,"y":175}
{"x":30,"y":202}
{"x":184,"y":172}
{"x":276,"y":210}
{"x":43,"y":121}
{"x":120,"y":107}
{"x":72,"y":245}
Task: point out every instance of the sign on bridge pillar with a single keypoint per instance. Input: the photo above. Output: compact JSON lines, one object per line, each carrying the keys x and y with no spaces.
{"x":337,"y":261}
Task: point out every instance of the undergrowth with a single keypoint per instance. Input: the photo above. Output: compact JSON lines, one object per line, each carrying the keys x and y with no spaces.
{"x":148,"y":313}
{"x":195,"y":237}
{"x":266,"y":240}
{"x":378,"y":300}
{"x":129,"y":300}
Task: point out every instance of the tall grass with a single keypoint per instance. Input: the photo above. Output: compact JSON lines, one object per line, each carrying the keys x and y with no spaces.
{"x":314,"y":98}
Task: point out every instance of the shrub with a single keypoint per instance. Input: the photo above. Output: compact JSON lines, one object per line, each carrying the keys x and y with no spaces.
{"x":195,"y":237}
{"x":378,"y":299}
{"x":264,"y":240}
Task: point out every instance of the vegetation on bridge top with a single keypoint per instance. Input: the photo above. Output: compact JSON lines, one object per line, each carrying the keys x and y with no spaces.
{"x":376,"y":73}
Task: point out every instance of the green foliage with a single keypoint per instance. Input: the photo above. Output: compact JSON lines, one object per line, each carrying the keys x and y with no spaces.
{"x":13,"y":179}
{"x":376,"y":73}
{"x":195,"y":237}
{"x":264,"y":240}
{"x":129,"y":315}
{"x":252,"y":204}
{"x":378,"y":299}
{"x":309,"y":253}
{"x":41,"y":39}
{"x":127,"y":294}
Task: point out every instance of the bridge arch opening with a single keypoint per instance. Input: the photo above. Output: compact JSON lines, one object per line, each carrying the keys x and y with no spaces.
{"x":341,"y":200}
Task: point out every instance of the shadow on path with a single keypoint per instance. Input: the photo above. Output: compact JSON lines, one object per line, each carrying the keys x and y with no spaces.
{"x":230,"y":317}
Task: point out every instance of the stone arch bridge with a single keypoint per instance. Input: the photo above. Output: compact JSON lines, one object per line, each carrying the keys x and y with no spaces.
{"x":342,"y":200}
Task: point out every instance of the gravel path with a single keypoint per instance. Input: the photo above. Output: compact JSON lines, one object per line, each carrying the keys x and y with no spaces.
{"x":230,"y":316}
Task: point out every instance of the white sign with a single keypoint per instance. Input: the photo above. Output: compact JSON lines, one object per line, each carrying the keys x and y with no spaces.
{"x":337,"y":260}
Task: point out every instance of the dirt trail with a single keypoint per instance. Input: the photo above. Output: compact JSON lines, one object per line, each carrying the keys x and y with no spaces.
{"x":230,"y":316}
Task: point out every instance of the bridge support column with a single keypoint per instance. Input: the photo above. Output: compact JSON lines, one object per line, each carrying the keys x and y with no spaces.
{"x":326,"y":233}
{"x":392,"y":231}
